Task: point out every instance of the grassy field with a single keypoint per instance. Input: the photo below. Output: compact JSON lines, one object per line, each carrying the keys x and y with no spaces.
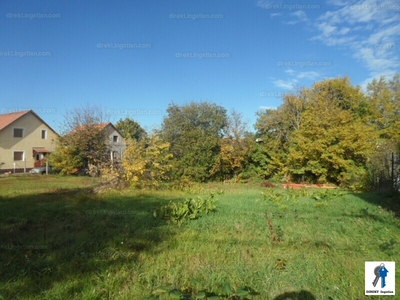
{"x":58,"y":240}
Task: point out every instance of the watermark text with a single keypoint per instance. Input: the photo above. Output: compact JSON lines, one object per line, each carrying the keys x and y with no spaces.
{"x":201,"y":55}
{"x":292,"y":6}
{"x":133,"y":112}
{"x":196,"y":16}
{"x":376,"y":6}
{"x":32,"y":16}
{"x":8,"y":110}
{"x":308,"y":63}
{"x":25,"y":53}
{"x":123,"y":46}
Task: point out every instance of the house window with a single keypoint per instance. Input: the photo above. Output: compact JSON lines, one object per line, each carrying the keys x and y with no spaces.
{"x":44,"y":134}
{"x":18,"y":155}
{"x":18,"y":132}
{"x":115,"y":138}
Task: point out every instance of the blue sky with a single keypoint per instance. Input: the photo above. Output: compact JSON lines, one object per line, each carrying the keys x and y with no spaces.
{"x":134,"y":57}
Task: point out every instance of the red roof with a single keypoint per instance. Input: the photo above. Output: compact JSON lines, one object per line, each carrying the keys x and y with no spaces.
{"x":100,"y":126}
{"x":40,"y":150}
{"x":104,"y":125}
{"x":7,"y":119}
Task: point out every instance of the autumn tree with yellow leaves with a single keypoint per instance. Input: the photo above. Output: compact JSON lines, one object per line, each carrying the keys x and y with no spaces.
{"x":147,"y":162}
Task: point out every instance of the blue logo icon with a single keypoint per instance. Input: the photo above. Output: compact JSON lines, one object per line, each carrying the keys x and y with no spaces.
{"x":382,"y":275}
{"x":380,"y":272}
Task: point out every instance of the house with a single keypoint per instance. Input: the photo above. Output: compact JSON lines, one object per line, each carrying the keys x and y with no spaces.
{"x":25,"y":140}
{"x":101,"y":144}
{"x":116,"y":143}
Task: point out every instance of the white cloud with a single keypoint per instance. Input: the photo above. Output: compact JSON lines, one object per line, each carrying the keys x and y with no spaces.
{"x":395,"y":18}
{"x":387,"y":74}
{"x":294,"y":78}
{"x":375,"y":62}
{"x":301,"y":15}
{"x":285,"y":84}
{"x":384,"y":35}
{"x":334,"y":41}
{"x":344,"y":31}
{"x":361,"y":27}
{"x":290,"y":71}
{"x":338,"y":2}
{"x":327,"y":29}
{"x":308,"y":75}
{"x":264,"y":3}
{"x":273,"y":15}
{"x":364,"y":28}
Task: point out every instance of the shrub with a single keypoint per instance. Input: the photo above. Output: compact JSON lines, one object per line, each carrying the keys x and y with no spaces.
{"x":356,"y":179}
{"x":178,"y":213}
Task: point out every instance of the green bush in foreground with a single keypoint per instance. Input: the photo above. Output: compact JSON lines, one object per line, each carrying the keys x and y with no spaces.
{"x":193,"y":208}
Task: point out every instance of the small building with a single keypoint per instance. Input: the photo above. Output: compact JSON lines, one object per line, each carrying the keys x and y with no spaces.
{"x":25,"y":141}
{"x":116,"y":143}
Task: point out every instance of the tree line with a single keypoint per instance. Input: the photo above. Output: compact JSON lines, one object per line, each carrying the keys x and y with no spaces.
{"x":333,"y":132}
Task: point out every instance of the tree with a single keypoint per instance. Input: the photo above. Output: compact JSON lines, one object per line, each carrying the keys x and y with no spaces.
{"x":275,"y":128}
{"x":333,"y":142}
{"x":147,"y":162}
{"x":194,"y":131}
{"x":340,"y":92}
{"x":330,"y":133}
{"x":384,"y":106}
{"x":384,"y":114}
{"x":394,"y":86}
{"x":233,"y":148}
{"x":83,"y":141}
{"x":263,"y":160}
{"x":66,"y":159}
{"x":280,"y":123}
{"x":130,"y":129}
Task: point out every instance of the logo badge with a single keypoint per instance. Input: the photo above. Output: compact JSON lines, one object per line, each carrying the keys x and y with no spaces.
{"x":380,"y":278}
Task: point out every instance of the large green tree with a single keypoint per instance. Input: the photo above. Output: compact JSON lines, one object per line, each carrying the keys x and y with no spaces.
{"x":384,"y":106}
{"x":319,"y":134}
{"x":333,"y":142}
{"x":130,"y":129}
{"x":340,"y":92}
{"x":384,"y":114}
{"x":194,"y":132}
{"x":330,"y":146}
{"x":275,"y":128}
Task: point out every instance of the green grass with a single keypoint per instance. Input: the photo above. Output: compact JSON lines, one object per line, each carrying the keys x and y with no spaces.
{"x":59,"y":241}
